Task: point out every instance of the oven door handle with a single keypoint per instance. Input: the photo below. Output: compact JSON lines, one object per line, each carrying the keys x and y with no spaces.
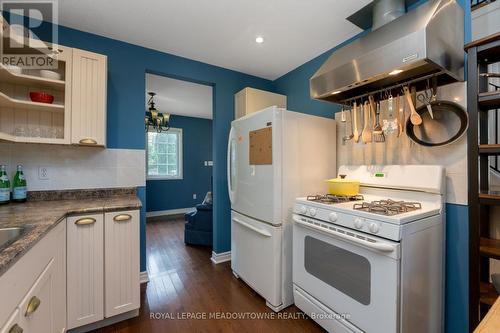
{"x":379,"y":246}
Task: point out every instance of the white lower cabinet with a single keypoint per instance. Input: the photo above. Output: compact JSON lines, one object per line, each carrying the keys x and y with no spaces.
{"x":121,"y":272}
{"x":103,"y":266}
{"x":12,"y":325}
{"x":85,"y":264}
{"x":81,"y":272}
{"x":37,"y":307}
{"x":36,"y":286}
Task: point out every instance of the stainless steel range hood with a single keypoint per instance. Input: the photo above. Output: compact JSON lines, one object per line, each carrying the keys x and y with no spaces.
{"x":426,"y":40}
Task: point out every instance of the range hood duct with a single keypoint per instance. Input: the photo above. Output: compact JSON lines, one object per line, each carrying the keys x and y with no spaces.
{"x":385,"y":11}
{"x":426,"y":41}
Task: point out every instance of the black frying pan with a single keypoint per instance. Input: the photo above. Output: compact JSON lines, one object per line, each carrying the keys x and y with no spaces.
{"x":449,"y":124}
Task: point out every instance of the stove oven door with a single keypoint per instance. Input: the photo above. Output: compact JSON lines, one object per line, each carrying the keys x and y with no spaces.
{"x":354,"y":274}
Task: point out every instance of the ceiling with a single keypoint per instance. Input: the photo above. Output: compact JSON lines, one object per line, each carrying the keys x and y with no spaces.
{"x":222,"y":32}
{"x":180,"y":97}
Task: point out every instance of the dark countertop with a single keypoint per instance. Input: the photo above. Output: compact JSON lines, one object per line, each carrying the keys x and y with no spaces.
{"x":39,"y":217}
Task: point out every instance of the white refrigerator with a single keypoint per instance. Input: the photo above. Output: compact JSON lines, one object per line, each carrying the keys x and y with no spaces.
{"x":274,"y":156}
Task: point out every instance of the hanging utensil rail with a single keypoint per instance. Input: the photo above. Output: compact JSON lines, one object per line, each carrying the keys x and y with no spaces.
{"x":394,"y":86}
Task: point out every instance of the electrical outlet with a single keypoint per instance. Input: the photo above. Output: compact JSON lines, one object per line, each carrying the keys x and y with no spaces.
{"x":194,"y":196}
{"x":210,"y":163}
{"x":43,"y":173}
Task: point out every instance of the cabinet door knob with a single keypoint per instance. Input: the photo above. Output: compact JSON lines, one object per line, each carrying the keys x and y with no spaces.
{"x":122,"y":217}
{"x":88,"y":141}
{"x":85,"y":221}
{"x":16,"y":329}
{"x":33,"y":304}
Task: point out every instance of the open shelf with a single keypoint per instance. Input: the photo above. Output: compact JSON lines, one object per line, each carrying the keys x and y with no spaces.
{"x":489,"y":198}
{"x":493,"y":149}
{"x":24,"y":79}
{"x":12,"y":138}
{"x":489,"y":247}
{"x":489,"y":100}
{"x":488,"y":294}
{"x":487,"y":48}
{"x":7,"y":102}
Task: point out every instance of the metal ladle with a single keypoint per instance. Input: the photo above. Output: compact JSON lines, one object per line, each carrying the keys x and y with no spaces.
{"x":343,"y":119}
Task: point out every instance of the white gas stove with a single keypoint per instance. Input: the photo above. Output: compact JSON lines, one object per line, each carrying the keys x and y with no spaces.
{"x":374,"y":262}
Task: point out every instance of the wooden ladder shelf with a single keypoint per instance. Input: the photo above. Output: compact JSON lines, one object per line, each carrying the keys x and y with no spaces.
{"x":482,"y":246}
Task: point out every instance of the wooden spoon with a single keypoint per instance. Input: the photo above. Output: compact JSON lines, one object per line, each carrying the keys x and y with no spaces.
{"x":354,"y":121}
{"x":366,"y":136}
{"x":414,"y":116}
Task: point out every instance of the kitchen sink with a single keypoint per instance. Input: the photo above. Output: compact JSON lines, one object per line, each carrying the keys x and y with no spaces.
{"x":9,"y":235}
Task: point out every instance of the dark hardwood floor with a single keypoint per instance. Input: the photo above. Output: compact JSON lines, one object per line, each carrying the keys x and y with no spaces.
{"x":184,"y":282}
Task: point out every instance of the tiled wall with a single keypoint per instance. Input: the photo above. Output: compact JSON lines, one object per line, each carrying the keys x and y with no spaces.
{"x":72,"y":167}
{"x":402,"y":151}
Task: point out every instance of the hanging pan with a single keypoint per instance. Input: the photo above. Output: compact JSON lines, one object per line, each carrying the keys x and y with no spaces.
{"x":448,"y":122}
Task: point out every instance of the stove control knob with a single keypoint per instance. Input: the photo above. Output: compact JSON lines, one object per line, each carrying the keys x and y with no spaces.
{"x":312,"y":211}
{"x":332,"y":217}
{"x":374,"y":227}
{"x":303,"y":209}
{"x":358,"y":223}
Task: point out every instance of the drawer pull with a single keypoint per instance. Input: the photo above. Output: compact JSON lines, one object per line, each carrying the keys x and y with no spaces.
{"x":85,"y":221}
{"x":122,"y":217}
{"x":88,"y":141}
{"x":33,"y":304}
{"x":16,"y":329}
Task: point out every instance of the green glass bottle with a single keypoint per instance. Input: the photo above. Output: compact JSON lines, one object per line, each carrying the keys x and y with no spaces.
{"x":19,"y":186}
{"x":4,"y":186}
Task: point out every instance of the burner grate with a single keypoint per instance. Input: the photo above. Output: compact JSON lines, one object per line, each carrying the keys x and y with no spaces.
{"x":388,"y":207}
{"x":332,"y":199}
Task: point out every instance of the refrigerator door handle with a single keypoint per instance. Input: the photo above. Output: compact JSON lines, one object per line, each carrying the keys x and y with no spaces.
{"x":251,"y":227}
{"x":230,"y":152}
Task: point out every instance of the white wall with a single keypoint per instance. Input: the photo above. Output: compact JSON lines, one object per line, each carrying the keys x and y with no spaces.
{"x":486,"y":20}
{"x":73,"y":167}
{"x":402,"y":151}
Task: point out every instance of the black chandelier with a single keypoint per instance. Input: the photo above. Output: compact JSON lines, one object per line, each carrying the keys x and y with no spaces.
{"x":155,"y":119}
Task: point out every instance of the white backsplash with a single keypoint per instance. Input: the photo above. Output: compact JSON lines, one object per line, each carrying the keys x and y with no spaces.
{"x":402,"y":151}
{"x":73,"y":167}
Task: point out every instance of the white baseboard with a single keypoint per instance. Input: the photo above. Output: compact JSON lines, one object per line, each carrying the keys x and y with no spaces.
{"x":143,"y":277}
{"x":170,"y":212}
{"x":218,"y":258}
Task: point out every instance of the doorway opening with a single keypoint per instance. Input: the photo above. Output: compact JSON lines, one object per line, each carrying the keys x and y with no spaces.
{"x":179,"y":164}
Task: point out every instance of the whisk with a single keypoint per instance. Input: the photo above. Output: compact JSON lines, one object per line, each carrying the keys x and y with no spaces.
{"x":378,"y":133}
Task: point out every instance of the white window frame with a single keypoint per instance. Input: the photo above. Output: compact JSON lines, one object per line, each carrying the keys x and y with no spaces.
{"x":179,"y":157}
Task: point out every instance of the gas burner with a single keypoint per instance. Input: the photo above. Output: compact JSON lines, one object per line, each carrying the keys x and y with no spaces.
{"x":387,"y":207}
{"x":332,"y":199}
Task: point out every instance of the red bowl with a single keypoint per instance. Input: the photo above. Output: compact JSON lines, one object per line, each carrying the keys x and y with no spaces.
{"x":41,"y":97}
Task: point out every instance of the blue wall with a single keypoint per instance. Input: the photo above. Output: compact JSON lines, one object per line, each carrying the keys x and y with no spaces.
{"x":457,"y":268}
{"x":197,"y":148}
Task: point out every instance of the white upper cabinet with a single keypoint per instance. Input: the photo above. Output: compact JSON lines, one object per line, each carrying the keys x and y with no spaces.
{"x":77,"y":113}
{"x":28,"y":121}
{"x":89,"y":86}
{"x":250,"y":100}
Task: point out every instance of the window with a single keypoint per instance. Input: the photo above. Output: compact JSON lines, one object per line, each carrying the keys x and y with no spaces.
{"x":164,"y":154}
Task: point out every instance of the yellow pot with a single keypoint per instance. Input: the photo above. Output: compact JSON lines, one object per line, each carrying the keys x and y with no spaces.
{"x":343,"y":186}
